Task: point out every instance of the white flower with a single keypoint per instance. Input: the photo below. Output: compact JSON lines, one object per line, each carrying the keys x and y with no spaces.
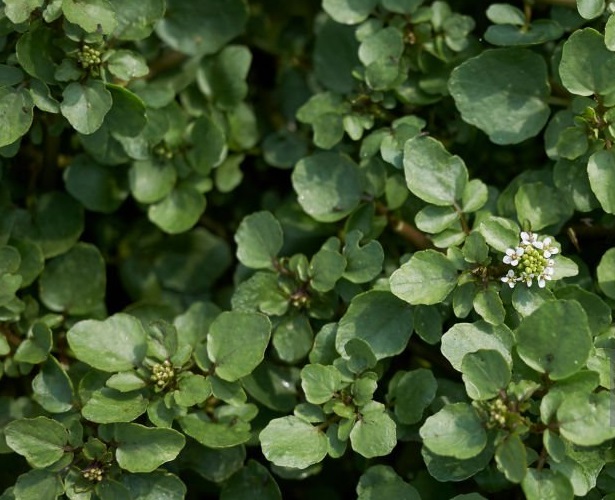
{"x":548,"y":248}
{"x":512,"y":256}
{"x":510,"y":278}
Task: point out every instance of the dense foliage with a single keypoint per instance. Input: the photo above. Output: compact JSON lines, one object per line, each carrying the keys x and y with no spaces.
{"x":254,"y":249}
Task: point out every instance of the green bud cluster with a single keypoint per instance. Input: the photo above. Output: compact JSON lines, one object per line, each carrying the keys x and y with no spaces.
{"x":163,"y":373}
{"x":532,"y":261}
{"x":93,"y":473}
{"x":163,"y":152}
{"x":89,"y":56}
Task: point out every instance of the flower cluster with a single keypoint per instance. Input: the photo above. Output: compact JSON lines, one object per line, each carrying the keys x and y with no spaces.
{"x":93,"y":473}
{"x":163,"y":373}
{"x":530,"y":260}
{"x":89,"y":56}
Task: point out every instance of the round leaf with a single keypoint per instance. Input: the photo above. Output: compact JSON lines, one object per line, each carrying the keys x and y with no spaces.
{"x":179,"y":211}
{"x":74,"y":282}
{"x":16,"y":113}
{"x":504,"y":93}
{"x":144,"y":449}
{"x":107,"y":406}
{"x":236,"y":343}
{"x":151,"y":181}
{"x":292,"y":442}
{"x":546,"y":483}
{"x":114,"y":345}
{"x":606,"y":273}
{"x":41,"y":440}
{"x":374,"y":433}
{"x":203,"y":27}
{"x":349,"y":11}
{"x":52,"y":388}
{"x":328,"y":186}
{"x":414,"y":391}
{"x":585,"y":419}
{"x":601,"y":172}
{"x":539,"y":338}
{"x":85,"y":105}
{"x":432,"y":173}
{"x":587,"y":66}
{"x":427,"y":278}
{"x":320,"y":382}
{"x":381,"y":481}
{"x":455,"y":431}
{"x":380,"y":319}
{"x":58,"y":221}
{"x":485,"y":373}
{"x":91,"y":15}
{"x":259,"y":238}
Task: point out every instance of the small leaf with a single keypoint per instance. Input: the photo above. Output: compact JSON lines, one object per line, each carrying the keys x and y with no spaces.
{"x":485,"y":374}
{"x":374,"y":433}
{"x":504,"y":93}
{"x":585,"y":418}
{"x":606,"y":273}
{"x":39,"y":485}
{"x":364,"y":263}
{"x":91,"y":15}
{"x":348,"y":11}
{"x":489,"y":305}
{"x":52,"y":388}
{"x":259,"y":238}
{"x":546,"y":483}
{"x":85,"y":105}
{"x":320,"y":382}
{"x":236,"y":343}
{"x":41,"y":440}
{"x":16,"y":111}
{"x":144,"y":449}
{"x":413,"y":392}
{"x":251,"y":481}
{"x":328,"y":186}
{"x":540,"y":339}
{"x":455,"y":431}
{"x":427,"y":278}
{"x":432,"y":173}
{"x":179,"y":211}
{"x":113,"y":345}
{"x":590,"y":9}
{"x":511,"y":457}
{"x":601,"y":171}
{"x":107,"y":406}
{"x":381,"y":481}
{"x":292,"y":442}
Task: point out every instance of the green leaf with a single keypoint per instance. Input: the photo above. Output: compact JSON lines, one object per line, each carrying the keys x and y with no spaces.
{"x":381,"y":52}
{"x":427,"y":278}
{"x":273,"y":386}
{"x":222,"y":77}
{"x":37,"y":346}
{"x":41,"y":440}
{"x":126,"y":381}
{"x":52,"y":388}
{"x":364,"y":263}
{"x":91,"y":15}
{"x":107,"y":406}
{"x":540,"y":205}
{"x":16,"y":112}
{"x":502,"y":13}
{"x":374,"y":433}
{"x":606,"y":273}
{"x":179,"y":210}
{"x":136,"y":19}
{"x":402,"y":6}
{"x":500,"y":233}
{"x":598,"y":312}
{"x":38,"y":485}
{"x":202,"y":28}
{"x":571,"y":177}
{"x":85,"y":105}
{"x":335,"y":56}
{"x":151,"y":181}
{"x":452,"y":469}
{"x":328,"y":186}
{"x":58,"y":222}
{"x":463,"y":338}
{"x":526,"y":300}
{"x":292,"y":442}
{"x":587,"y":66}
{"x":144,"y":449}
{"x":191,"y":389}
{"x":485,"y":373}
{"x":381,"y":481}
{"x":590,"y":9}
{"x":126,"y":65}
{"x":320,"y":382}
{"x":349,"y":11}
{"x":210,"y":145}
{"x":152,"y":486}
{"x":432,"y":173}
{"x":236,"y":343}
{"x":115,"y":344}
{"x":539,"y":338}
{"x":292,"y":338}
{"x":259,"y":239}
{"x":504,"y":93}
{"x":537,"y":32}
{"x":326,"y":268}
{"x":215,"y":434}
{"x":126,"y":118}
{"x":251,"y":481}
{"x":19,"y":11}
{"x":601,"y":172}
{"x":37,"y":54}
{"x":546,"y":483}
{"x":511,"y":457}
{"x":380,"y":319}
{"x":455,"y":431}
{"x":428,"y":323}
{"x":488,"y":304}
{"x":585,"y":419}
{"x":433,"y":219}
{"x":412,"y":393}
{"x":74,"y":282}
{"x":97,"y":187}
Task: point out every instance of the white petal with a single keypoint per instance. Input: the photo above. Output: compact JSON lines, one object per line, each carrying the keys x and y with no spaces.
{"x":541,"y":283}
{"x":507,"y":259}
